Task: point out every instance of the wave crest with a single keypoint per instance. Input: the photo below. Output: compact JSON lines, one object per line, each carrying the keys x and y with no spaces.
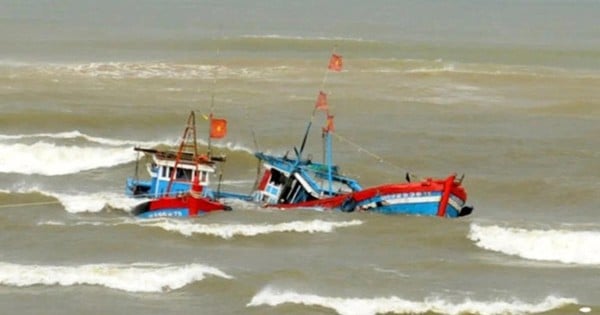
{"x":228,"y":231}
{"x":571,"y":247}
{"x":396,"y":305}
{"x":137,"y":277}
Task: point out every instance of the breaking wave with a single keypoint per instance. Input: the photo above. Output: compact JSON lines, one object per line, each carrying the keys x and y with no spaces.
{"x":50,"y":159}
{"x":226,"y":231}
{"x":495,"y":70}
{"x":570,"y":247}
{"x":95,"y":202}
{"x":397,"y":305}
{"x":152,"y":70}
{"x":45,"y":157}
{"x":85,"y":202}
{"x":137,"y":277}
{"x":74,"y":134}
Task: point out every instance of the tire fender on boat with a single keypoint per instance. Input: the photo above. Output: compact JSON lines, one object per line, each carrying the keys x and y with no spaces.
{"x":348,"y":205}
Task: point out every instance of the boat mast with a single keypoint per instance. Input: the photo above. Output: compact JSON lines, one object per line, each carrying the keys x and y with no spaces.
{"x":188,"y":140}
{"x":329,"y":151}
{"x":335,"y":64}
{"x":212,"y":103}
{"x":211,"y":122}
{"x":312,"y":115}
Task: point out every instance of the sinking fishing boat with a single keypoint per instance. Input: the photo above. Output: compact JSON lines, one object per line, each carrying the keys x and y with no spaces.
{"x":301,"y":183}
{"x":179,"y":180}
{"x":295,"y":182}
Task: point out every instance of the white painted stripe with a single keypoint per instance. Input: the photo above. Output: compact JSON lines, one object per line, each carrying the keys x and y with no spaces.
{"x":413,"y":200}
{"x":455,"y":202}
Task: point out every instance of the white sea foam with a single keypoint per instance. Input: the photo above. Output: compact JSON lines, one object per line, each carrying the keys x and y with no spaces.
{"x":241,"y":205}
{"x":397,"y":305}
{"x":391,"y":272}
{"x":230,"y":230}
{"x":565,"y":246}
{"x":233,"y":147}
{"x":436,"y":69}
{"x":226,"y":231}
{"x":123,"y":70}
{"x":77,"y":134}
{"x":50,"y":159}
{"x":52,"y":223}
{"x":138,"y":277}
{"x":95,"y":202}
{"x":585,"y":309}
{"x":153,"y":70}
{"x":47,"y":158}
{"x":86,"y":202}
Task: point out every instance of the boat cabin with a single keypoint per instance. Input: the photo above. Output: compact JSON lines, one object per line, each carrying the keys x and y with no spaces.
{"x":162,"y":169}
{"x":284,"y":182}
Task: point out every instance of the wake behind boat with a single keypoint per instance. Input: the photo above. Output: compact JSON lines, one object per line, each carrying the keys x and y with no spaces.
{"x":289,"y":183}
{"x":179,"y":180}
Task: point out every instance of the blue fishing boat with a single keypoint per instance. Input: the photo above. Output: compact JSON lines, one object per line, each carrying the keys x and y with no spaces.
{"x":295,"y":182}
{"x":179,"y":180}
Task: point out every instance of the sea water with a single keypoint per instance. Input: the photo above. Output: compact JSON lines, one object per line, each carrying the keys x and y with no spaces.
{"x":503,"y":92}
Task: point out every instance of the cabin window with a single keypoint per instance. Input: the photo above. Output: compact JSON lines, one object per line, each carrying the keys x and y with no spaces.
{"x":277,"y":177}
{"x":273,"y":190}
{"x":183,"y":174}
{"x":202,"y":176}
{"x":165,"y":171}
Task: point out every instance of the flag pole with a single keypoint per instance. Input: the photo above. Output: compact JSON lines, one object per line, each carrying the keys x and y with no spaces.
{"x":212,"y":105}
{"x":312,"y":115}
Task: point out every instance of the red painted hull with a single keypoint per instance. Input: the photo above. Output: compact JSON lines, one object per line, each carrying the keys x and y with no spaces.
{"x":186,"y":205}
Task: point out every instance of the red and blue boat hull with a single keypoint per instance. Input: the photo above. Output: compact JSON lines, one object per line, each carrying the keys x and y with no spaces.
{"x":431,"y":197}
{"x":179,"y":206}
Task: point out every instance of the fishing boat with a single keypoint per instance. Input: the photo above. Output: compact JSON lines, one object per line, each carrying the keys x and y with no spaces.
{"x":296,"y":182}
{"x":179,"y":180}
{"x":301,"y":183}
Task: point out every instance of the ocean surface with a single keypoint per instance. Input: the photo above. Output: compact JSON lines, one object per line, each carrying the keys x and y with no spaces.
{"x":505,"y":92}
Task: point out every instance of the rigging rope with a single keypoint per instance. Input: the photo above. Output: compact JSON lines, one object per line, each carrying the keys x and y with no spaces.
{"x":379,"y":158}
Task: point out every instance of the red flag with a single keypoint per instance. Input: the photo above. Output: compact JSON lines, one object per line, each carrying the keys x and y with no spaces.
{"x":329,"y":125}
{"x":218,"y":128}
{"x":321,"y":101}
{"x":335,"y":63}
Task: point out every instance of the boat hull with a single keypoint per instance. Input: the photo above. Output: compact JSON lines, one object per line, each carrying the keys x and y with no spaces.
{"x":441,"y":197}
{"x":180,"y":206}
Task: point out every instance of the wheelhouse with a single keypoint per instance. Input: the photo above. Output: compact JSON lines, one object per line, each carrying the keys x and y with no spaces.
{"x":162,"y":168}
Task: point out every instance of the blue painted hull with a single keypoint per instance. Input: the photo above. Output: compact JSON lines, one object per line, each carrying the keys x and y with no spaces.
{"x":426,"y":205}
{"x":423,"y":209}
